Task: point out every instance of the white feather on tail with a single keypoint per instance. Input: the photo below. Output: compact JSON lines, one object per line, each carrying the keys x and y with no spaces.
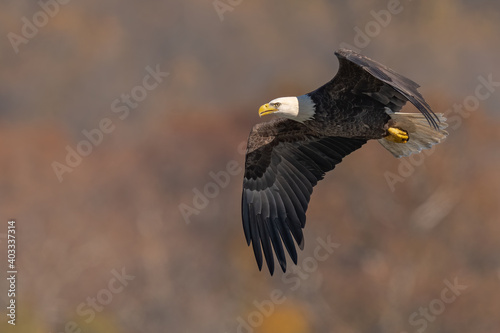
{"x":421,"y":134}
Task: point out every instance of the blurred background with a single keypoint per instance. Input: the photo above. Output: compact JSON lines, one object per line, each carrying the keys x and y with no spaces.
{"x":121,"y":131}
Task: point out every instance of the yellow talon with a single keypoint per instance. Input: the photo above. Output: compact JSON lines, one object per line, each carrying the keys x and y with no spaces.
{"x":397,"y":135}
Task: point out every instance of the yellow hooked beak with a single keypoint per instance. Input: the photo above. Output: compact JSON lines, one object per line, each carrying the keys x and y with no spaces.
{"x":266,"y":109}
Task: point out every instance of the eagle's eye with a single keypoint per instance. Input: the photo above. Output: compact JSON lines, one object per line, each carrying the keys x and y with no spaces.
{"x":277,"y":104}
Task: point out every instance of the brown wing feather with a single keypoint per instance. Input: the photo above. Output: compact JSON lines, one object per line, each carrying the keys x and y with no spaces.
{"x":284,"y":161}
{"x":362,"y":75}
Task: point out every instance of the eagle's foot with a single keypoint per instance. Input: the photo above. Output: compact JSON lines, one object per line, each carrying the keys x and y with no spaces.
{"x":397,"y":135}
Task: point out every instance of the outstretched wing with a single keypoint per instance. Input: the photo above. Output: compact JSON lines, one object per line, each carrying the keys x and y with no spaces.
{"x":362,"y":75}
{"x":284,"y":162}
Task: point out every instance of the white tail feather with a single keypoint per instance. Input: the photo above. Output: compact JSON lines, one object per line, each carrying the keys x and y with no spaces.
{"x":421,"y":134}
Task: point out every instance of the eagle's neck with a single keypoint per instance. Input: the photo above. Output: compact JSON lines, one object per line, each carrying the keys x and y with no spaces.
{"x":306,"y":108}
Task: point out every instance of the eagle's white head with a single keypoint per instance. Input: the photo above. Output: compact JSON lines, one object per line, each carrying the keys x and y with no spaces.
{"x":300,"y":108}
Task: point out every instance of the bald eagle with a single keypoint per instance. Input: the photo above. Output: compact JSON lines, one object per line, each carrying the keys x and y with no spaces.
{"x":288,"y":155}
